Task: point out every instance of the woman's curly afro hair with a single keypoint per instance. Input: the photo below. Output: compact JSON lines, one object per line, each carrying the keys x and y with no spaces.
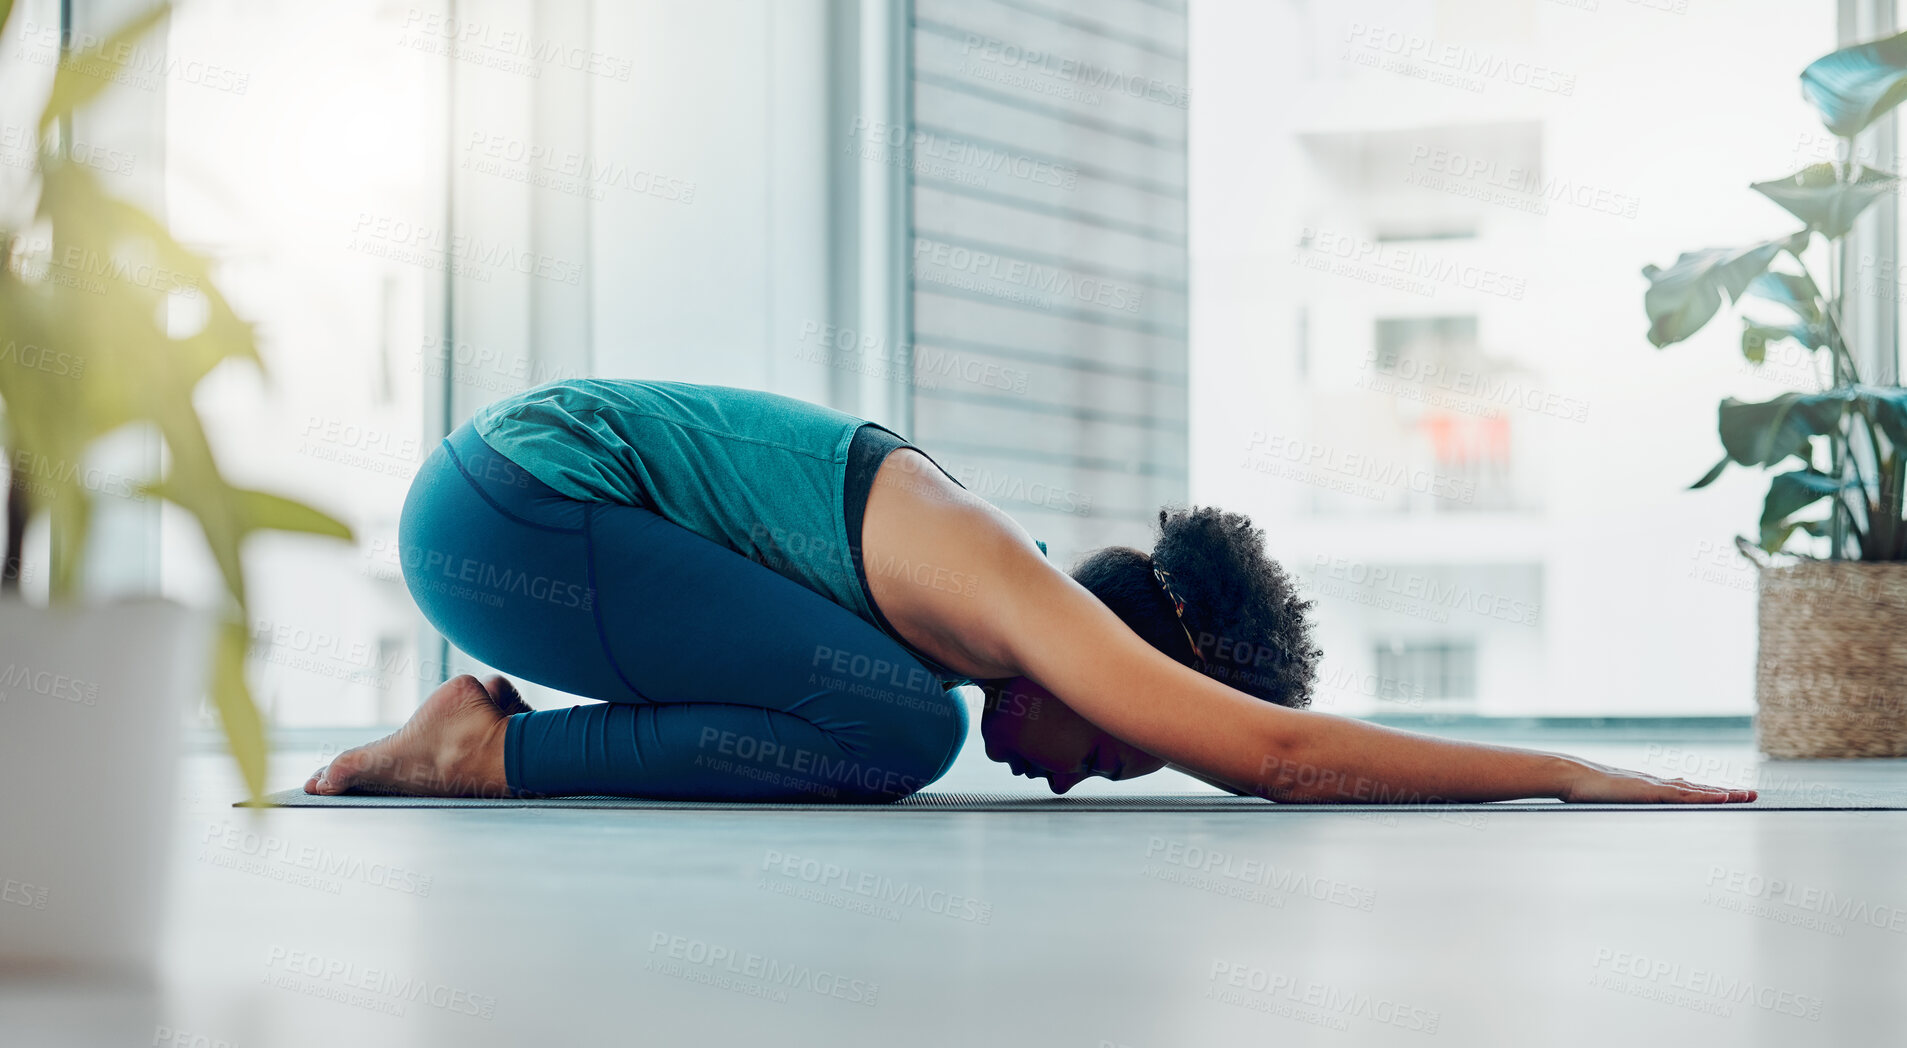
{"x":1240,"y":604}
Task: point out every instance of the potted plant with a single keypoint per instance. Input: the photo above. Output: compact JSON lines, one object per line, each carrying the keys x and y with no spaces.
{"x":1831,"y":677}
{"x":91,"y":693}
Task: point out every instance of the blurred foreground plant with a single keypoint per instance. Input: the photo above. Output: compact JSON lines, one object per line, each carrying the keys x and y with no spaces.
{"x":83,"y":357}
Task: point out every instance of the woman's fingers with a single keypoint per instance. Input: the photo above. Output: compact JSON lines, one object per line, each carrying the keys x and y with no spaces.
{"x":1611,"y":786}
{"x":1701,"y":794}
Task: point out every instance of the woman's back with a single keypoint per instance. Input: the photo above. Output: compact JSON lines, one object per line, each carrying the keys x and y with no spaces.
{"x":757,"y":472}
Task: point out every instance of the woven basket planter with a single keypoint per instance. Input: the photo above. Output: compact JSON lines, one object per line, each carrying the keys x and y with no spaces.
{"x":1831,"y":680}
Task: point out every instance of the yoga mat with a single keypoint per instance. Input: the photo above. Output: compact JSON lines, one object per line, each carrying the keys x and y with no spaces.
{"x":1049,"y":804}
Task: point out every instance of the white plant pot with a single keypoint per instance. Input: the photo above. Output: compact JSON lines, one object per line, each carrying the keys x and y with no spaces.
{"x":91,"y":702}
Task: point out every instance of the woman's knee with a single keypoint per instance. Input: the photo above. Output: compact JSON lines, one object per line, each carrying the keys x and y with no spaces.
{"x":946,"y":734}
{"x":916,"y":748}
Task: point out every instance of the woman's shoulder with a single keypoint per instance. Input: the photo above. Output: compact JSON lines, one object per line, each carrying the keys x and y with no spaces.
{"x":694,"y":403}
{"x":590,"y":390}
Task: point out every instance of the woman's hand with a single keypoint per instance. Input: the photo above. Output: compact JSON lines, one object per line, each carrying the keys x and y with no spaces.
{"x":1597,"y":783}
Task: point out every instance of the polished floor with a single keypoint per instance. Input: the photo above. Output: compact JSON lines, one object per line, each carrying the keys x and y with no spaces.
{"x":351,"y":929}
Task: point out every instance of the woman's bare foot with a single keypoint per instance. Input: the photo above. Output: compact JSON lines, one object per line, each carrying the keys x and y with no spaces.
{"x":503,"y":693}
{"x":451,"y":747}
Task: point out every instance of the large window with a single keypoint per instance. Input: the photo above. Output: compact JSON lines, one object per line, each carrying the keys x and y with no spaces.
{"x":427,"y":206}
{"x":1417,"y":332}
{"x":310,"y":169}
{"x":1401,"y":238}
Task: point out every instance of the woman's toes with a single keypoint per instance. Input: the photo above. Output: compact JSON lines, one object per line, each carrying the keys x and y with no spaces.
{"x":504,"y":695}
{"x":452,"y":746}
{"x":339,"y":775}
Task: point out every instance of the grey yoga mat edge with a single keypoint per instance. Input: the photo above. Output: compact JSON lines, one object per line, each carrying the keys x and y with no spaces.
{"x":1006,"y":802}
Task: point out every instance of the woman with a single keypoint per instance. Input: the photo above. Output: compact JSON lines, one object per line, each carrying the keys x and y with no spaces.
{"x":775,"y":599}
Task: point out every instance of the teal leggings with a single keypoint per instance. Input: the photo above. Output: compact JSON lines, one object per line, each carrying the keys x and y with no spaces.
{"x":721,"y":679}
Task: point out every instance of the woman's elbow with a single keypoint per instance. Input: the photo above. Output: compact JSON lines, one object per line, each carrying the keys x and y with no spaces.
{"x":1288,"y":773}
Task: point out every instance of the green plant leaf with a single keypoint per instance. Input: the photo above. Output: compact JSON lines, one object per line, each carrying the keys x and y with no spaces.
{"x":88,"y":218}
{"x":1684,"y":296}
{"x":1777,"y":530}
{"x":238,"y":714}
{"x":1775,"y":536}
{"x":129,"y":370}
{"x":208,"y":498}
{"x":1763,"y":434}
{"x":262,"y":511}
{"x":1829,"y":204}
{"x":70,"y":515}
{"x":1755,"y":338}
{"x":1857,"y":85}
{"x":228,"y":515}
{"x":79,"y":81}
{"x":1709,"y":477}
{"x":1887,"y":406}
{"x":1797,"y":293}
{"x":1791,"y":492}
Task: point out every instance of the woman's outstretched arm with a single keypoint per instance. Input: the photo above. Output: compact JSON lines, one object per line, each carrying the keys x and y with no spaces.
{"x":1470,"y":771}
{"x":1026,"y":617}
{"x":1063,"y":638}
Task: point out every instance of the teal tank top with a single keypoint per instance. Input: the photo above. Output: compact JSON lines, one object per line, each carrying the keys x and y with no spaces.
{"x":760,"y":473}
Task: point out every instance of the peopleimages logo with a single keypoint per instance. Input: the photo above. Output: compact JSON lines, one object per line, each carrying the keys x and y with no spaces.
{"x":1310,"y":1000}
{"x":977,"y":157}
{"x":1406,"y":269}
{"x":44,"y":475}
{"x":1807,"y":898}
{"x":375,"y":989}
{"x":1012,"y":488}
{"x":20,"y":893}
{"x":1400,"y":375}
{"x":54,"y":362}
{"x":1483,"y":173}
{"x":1074,"y":70}
{"x":566,"y":170}
{"x":1028,"y":276}
{"x":878,"y":888}
{"x":490,"y":43}
{"x":270,"y":855}
{"x":1425,"y":590}
{"x":1698,"y":989}
{"x":19,"y":677}
{"x":1256,"y":873}
{"x":72,"y":265}
{"x":1308,"y":459}
{"x":127,"y":63}
{"x":1463,"y":65}
{"x":772,"y":755}
{"x":488,"y":579}
{"x":700,"y":961}
{"x":422,"y":244}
